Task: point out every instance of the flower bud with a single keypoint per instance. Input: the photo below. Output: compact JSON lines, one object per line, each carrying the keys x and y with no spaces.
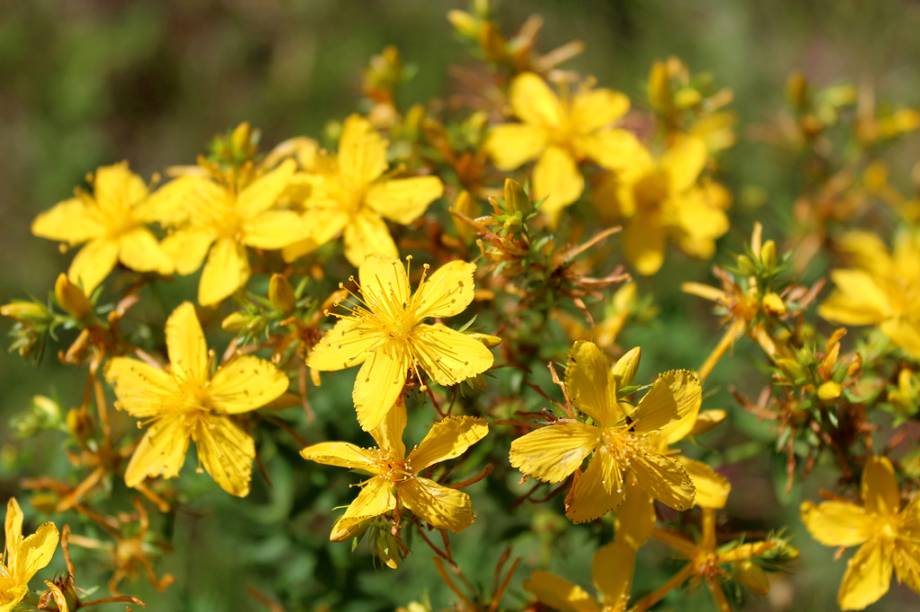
{"x":71,"y":298}
{"x":829,"y":391}
{"x":25,"y":312}
{"x":625,"y":367}
{"x":774,"y":304}
{"x":281,"y":294}
{"x":516,"y":201}
{"x":768,"y":254}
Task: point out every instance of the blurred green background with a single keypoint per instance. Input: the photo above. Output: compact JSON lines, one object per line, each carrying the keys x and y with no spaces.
{"x":87,"y":83}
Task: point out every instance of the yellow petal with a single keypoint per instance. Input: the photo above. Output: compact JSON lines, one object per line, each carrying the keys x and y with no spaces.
{"x":553,"y":452}
{"x":376,"y":498}
{"x":560,"y":594}
{"x":226,"y":270}
{"x":616,"y":150}
{"x":867,"y":578}
{"x":879,"y":487}
{"x":439,"y":506}
{"x":674,"y":395}
{"x":345,"y":345}
{"x":12,"y":524}
{"x":664,"y":478}
{"x":93,"y":263}
{"x":362,"y":152}
{"x":188,"y":352}
{"x":68,"y":221}
{"x":449,"y":356}
{"x":556,"y":181}
{"x":263,"y":193}
{"x":366,"y":234}
{"x":182,"y":199}
{"x":226,"y":452}
{"x":593,"y":109}
{"x":698,"y":218}
{"x":246,"y":383}
{"x":378,"y":385}
{"x":684,"y":162}
{"x":636,"y":516}
{"x":446,"y":292}
{"x":116,"y":188}
{"x":142,"y":390}
{"x":273,"y":229}
{"x":161,"y":451}
{"x":712,"y":489}
{"x":187,"y":248}
{"x":322,"y":224}
{"x":837,"y":523}
{"x":404,"y":200}
{"x":534,"y":102}
{"x":590,"y":385}
{"x":612,"y":568}
{"x":384,"y":285}
{"x":905,"y":333}
{"x":389,"y":433}
{"x":341,"y":454}
{"x":643,"y":243}
{"x":139,"y":250}
{"x":596,"y":491}
{"x":858,"y":299}
{"x":513,"y":144}
{"x":36,"y":551}
{"x":448,"y":438}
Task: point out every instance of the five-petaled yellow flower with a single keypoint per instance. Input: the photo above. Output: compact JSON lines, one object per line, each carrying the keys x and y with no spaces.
{"x":882,"y":289}
{"x":184,"y":402}
{"x":662,"y":197}
{"x":384,"y":330}
{"x":22,"y":557}
{"x":624,"y":439}
{"x":559,"y":133}
{"x":218,"y":221}
{"x":395,"y":479}
{"x":888,"y":532}
{"x":350,"y":196}
{"x":110,"y":221}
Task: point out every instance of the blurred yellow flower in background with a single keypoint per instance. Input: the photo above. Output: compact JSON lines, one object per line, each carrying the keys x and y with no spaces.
{"x":351,"y":196}
{"x":888,"y":533}
{"x":395,"y":479}
{"x":662,"y":197}
{"x":184,"y":402}
{"x":383,"y":330}
{"x":882,"y":289}
{"x":622,"y":439}
{"x":559,"y":132}
{"x":111,"y":222}
{"x":22,"y":557}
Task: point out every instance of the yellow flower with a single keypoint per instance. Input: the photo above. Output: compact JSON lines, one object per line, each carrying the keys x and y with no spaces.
{"x":219,"y":222}
{"x":395,"y":479}
{"x":621,"y":446}
{"x":560,"y":133}
{"x":612,"y":567}
{"x":111,"y":223}
{"x":384,"y":331}
{"x":350,"y":196}
{"x":664,"y":196}
{"x":882,"y":289}
{"x":23,"y":557}
{"x":889,"y":535}
{"x":184,"y":402}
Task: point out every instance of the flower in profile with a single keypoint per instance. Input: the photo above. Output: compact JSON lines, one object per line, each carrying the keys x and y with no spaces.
{"x":383,"y":330}
{"x":888,"y":532}
{"x":395,"y":480}
{"x":22,"y":557}
{"x":624,"y":440}
{"x":110,"y":223}
{"x":184,"y":402}
{"x":883,"y":288}
{"x":219,"y":221}
{"x":559,"y":133}
{"x":350,"y":196}
{"x":661,"y":197}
